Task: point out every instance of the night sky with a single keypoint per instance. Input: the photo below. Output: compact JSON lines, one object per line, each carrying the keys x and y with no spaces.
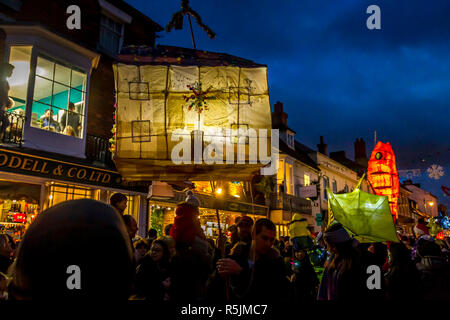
{"x":335,"y":77}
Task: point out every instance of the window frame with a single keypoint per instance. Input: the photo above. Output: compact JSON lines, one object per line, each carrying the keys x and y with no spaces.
{"x":108,"y":29}
{"x":334,"y":185}
{"x":325,"y":185}
{"x":72,"y":68}
{"x":305,"y":183}
{"x":291,"y":184}
{"x":37,"y":138}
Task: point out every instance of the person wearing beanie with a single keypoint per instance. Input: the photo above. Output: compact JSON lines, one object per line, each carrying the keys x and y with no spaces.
{"x":192,"y":262}
{"x":343,"y":277}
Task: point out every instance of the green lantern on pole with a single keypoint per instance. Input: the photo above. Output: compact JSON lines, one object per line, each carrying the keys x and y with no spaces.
{"x":365,"y":216}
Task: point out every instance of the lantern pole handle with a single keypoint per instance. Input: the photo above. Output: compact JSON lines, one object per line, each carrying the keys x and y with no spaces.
{"x":192,"y":32}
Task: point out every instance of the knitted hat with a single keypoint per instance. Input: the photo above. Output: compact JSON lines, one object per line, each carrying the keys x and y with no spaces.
{"x":183,"y":229}
{"x":337,"y":236}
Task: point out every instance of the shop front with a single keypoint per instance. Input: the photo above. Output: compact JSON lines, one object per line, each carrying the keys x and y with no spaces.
{"x":30,"y":184}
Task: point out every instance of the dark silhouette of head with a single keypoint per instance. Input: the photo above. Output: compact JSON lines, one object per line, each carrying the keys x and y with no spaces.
{"x":67,"y":235}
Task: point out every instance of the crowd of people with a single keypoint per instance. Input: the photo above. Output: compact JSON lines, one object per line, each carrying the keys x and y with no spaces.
{"x":183,"y":265}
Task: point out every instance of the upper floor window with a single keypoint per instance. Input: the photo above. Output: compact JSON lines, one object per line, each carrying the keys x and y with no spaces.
{"x":111,"y":35}
{"x":334,"y":186}
{"x":290,"y":140}
{"x":326,"y":184}
{"x":306,"y":179}
{"x":20,"y":58}
{"x":58,"y":98}
{"x":280,"y":173}
{"x":289,"y":178}
{"x":346,"y":189}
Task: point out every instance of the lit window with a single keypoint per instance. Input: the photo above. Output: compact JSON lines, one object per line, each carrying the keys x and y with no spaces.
{"x":111,"y":33}
{"x":280,"y":173}
{"x":59,"y":97}
{"x":289,"y":179}
{"x":63,"y":192}
{"x":306,"y":178}
{"x":18,"y":82}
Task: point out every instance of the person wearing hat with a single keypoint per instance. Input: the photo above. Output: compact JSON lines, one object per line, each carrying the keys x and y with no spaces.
{"x":343,"y":277}
{"x":244,"y":227}
{"x":192,"y":261}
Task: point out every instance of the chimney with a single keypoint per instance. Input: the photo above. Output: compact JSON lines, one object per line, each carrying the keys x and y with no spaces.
{"x":322,"y":147}
{"x":279,"y":117}
{"x":360,"y":152}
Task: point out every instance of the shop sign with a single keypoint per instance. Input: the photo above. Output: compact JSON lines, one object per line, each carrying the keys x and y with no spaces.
{"x":296,"y":204}
{"x":308,"y":191}
{"x":12,"y":161}
{"x":20,"y":217}
{"x":319,"y":219}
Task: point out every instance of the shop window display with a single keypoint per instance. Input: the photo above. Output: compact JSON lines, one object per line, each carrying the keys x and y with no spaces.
{"x":132,"y":206}
{"x":18,"y":207}
{"x":60,"y":192}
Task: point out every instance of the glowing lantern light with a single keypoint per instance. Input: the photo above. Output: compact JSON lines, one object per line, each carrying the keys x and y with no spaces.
{"x":202,"y":97}
{"x":383,"y":176}
{"x":440,"y":235}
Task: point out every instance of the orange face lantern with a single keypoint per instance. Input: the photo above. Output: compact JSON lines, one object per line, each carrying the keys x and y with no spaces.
{"x":383,"y":176}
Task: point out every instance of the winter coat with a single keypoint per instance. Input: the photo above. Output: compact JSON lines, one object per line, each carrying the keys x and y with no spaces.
{"x":304,"y":280}
{"x":149,"y":278}
{"x":435,"y":277}
{"x":298,"y":227}
{"x":189,"y":270}
{"x":266,"y":281}
{"x":340,"y":285}
{"x":402,"y":283}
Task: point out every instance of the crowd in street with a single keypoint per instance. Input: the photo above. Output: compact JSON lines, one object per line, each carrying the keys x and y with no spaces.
{"x":245,"y":264}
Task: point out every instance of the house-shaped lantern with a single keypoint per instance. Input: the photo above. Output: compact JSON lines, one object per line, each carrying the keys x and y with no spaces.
{"x":175,"y":107}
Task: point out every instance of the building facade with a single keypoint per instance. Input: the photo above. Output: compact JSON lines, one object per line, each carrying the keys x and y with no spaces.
{"x":426,"y":203}
{"x":296,"y":181}
{"x":54,"y":146}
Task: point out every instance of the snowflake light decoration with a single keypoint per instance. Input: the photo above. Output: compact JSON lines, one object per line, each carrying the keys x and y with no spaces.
{"x":198,"y":99}
{"x":435,"y":172}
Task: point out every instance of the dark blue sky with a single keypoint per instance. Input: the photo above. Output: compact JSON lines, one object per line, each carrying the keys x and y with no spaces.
{"x":335,"y":77}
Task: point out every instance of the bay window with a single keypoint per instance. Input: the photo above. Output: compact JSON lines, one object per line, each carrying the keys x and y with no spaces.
{"x":58,"y":97}
{"x":49,"y":89}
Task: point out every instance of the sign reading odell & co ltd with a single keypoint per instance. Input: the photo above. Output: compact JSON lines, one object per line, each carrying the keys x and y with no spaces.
{"x":12,"y":161}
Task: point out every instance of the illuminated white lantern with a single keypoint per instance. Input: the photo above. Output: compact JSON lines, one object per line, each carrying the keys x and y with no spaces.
{"x":175,"y":116}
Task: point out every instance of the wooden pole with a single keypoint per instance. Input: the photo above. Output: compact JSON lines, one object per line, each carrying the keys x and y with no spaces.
{"x":192,"y":32}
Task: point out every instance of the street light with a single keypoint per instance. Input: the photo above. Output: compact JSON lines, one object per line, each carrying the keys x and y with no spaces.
{"x":431,"y":203}
{"x":219,"y":191}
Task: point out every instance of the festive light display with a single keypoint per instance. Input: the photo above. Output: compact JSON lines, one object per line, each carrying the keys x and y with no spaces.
{"x":435,"y":172}
{"x":383,"y":176}
{"x":440,"y":235}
